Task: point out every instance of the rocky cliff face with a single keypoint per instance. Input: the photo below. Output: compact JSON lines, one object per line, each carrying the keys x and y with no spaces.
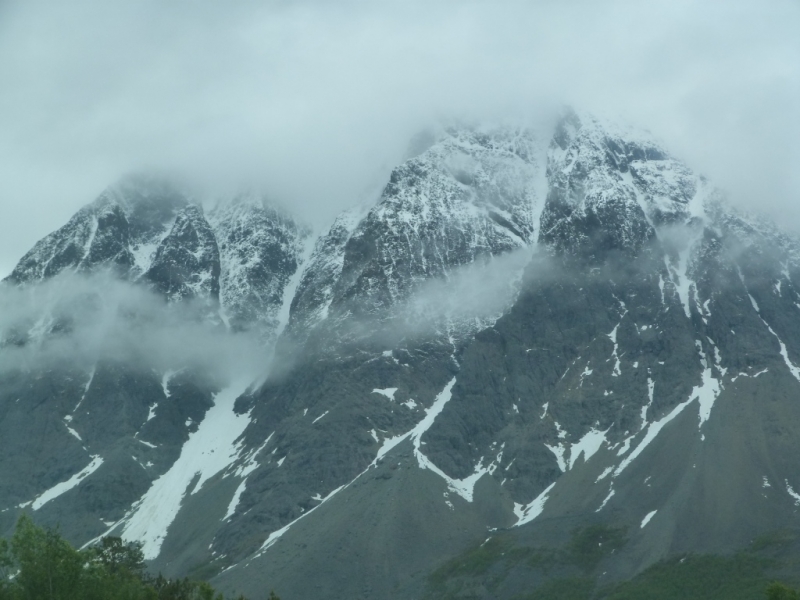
{"x":638,"y":367}
{"x":186,"y":262}
{"x":122,"y":229}
{"x":262,"y":249}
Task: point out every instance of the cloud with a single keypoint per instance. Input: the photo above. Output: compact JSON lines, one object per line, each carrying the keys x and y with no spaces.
{"x":79,"y":319}
{"x":317,"y":101}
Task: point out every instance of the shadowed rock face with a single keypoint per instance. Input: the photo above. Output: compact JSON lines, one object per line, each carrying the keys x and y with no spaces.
{"x":120,"y":229}
{"x":186,"y":263}
{"x":644,"y":357}
{"x":261,"y":251}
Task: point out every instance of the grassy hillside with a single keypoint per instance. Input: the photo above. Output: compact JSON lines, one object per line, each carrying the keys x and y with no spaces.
{"x":500,"y":569}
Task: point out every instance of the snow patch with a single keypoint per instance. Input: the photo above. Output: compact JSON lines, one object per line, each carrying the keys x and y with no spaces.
{"x":73,"y":432}
{"x":388,"y":392}
{"x":559,"y":451}
{"x":647,"y":518}
{"x":60,"y":488}
{"x":165,"y":382}
{"x":244,"y":470}
{"x":607,"y":498}
{"x":613,"y":337}
{"x":85,"y":391}
{"x":276,"y":535}
{"x":784,"y":353}
{"x":653,"y":429}
{"x":792,"y":493}
{"x":588,"y":445}
{"x":528,"y":512}
{"x":209,"y":449}
{"x":605,"y":474}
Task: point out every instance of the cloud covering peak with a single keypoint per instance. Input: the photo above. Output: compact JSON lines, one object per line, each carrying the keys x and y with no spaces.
{"x":317,"y":101}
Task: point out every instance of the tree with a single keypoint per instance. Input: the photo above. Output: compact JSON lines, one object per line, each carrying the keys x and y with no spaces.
{"x":778,"y":591}
{"x":7,"y":588}
{"x":49,"y":568}
{"x":46,"y":567}
{"x":121,"y":559}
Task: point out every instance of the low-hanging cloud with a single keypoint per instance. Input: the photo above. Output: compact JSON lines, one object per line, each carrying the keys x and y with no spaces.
{"x":453,"y":306}
{"x":77,"y":320}
{"x":316,"y":101}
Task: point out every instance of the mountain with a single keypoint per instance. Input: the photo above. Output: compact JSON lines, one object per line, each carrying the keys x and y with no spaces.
{"x":528,"y":335}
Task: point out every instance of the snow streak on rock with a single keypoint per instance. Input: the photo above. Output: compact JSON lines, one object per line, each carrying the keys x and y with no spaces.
{"x":208,"y":451}
{"x":527,"y":513}
{"x":261,"y":250}
{"x":60,"y":488}
{"x":647,"y":518}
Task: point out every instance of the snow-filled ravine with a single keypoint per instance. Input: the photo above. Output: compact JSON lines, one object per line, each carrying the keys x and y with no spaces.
{"x":207,"y":452}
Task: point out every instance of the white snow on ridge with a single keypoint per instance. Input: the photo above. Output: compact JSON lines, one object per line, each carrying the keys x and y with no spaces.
{"x":290,"y":290}
{"x":388,"y":444}
{"x":706,"y":393}
{"x":462,"y":487}
{"x":606,"y":472}
{"x":559,"y":451}
{"x":784,"y":353}
{"x":208,"y":451}
{"x":143,"y":254}
{"x":647,"y":518}
{"x":653,"y":429}
{"x":792,"y":368}
{"x":73,"y":432}
{"x":275,"y":535}
{"x":607,"y":498}
{"x":795,"y":496}
{"x":243,"y":471}
{"x":83,"y":396}
{"x":165,"y":382}
{"x":527,"y":513}
{"x":588,"y":445}
{"x":60,"y":488}
{"x":613,"y":337}
{"x":388,"y":392}
{"x":651,"y":386}
{"x":684,"y":285}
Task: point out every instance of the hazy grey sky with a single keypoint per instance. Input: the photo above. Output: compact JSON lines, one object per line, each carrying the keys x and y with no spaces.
{"x":317,"y":100}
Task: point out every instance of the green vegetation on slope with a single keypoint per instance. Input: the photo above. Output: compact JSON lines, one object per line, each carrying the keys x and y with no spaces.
{"x":38,"y":564}
{"x":741,"y":576}
{"x":498,"y":569}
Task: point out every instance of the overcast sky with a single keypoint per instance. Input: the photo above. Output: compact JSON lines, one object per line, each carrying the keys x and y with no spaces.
{"x":318,"y":99}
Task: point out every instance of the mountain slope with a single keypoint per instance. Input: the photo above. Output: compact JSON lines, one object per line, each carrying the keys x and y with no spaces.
{"x":526,"y":334}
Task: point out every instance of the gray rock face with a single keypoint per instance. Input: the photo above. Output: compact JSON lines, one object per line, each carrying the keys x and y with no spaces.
{"x":93,"y":432}
{"x":261,"y":248}
{"x":120,"y":229}
{"x":643,"y":373}
{"x":186,"y":263}
{"x":470,"y":196}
